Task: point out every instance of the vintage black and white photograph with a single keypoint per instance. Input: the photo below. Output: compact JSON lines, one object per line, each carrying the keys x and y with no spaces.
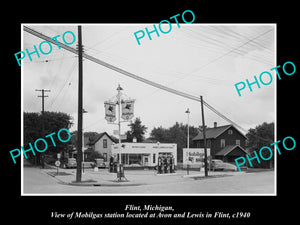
{"x":170,"y":108}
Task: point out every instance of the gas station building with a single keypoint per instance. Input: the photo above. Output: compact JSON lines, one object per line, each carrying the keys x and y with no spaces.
{"x":144,"y":154}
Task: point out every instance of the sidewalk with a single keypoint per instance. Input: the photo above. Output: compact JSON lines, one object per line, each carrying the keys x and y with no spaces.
{"x":134,"y":177}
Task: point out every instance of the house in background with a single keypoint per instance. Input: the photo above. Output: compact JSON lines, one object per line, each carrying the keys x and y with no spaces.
{"x":101,"y":143}
{"x":225,"y":142}
{"x":72,"y":153}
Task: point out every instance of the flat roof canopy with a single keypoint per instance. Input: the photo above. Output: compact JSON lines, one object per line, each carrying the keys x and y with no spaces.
{"x":140,"y":148}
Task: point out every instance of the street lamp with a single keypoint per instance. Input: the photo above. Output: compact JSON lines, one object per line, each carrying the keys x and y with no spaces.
{"x":188,"y":138}
{"x":120,"y":174}
{"x":110,"y":116}
{"x":188,"y":130}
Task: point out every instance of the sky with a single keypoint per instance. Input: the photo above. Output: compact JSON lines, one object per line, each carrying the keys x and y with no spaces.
{"x":197,"y":59}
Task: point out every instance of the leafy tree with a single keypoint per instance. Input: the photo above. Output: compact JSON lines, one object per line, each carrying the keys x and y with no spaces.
{"x":89,"y":135}
{"x":37,"y":125}
{"x":262,"y":135}
{"x":159,"y":134}
{"x":137,"y":130}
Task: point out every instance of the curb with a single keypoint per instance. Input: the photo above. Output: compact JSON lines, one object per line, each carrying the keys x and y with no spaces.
{"x":258,"y":170}
{"x":192,"y":175}
{"x":212,"y":176}
{"x":166,"y":174}
{"x":91,"y":184}
{"x":94,"y":183}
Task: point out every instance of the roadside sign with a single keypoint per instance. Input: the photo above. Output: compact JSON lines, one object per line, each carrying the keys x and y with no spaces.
{"x":57,"y":163}
{"x":110,"y":111}
{"x":58,"y":155}
{"x":127,"y":109}
{"x":194,"y":156}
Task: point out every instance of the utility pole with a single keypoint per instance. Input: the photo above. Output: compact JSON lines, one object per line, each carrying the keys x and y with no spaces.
{"x":42,"y":96}
{"x":204,"y":137}
{"x":80,"y":109}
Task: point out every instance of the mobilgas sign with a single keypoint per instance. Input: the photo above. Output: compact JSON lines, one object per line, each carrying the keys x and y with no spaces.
{"x":194,"y":155}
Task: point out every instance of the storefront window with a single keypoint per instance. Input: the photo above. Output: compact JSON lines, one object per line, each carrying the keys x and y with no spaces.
{"x":135,"y":159}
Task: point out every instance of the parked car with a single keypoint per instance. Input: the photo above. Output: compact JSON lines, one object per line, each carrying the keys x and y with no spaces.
{"x":217,"y":164}
{"x":99,"y":163}
{"x":71,"y":163}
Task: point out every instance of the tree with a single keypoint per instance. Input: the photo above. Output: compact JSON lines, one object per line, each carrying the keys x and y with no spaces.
{"x":137,"y":130}
{"x":159,"y":134}
{"x":178,"y":135}
{"x":89,"y":135}
{"x":37,"y":125}
{"x":262,"y":135}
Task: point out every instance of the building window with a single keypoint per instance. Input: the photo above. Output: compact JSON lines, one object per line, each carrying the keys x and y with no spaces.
{"x":135,"y":159}
{"x":104,"y":143}
{"x":230,"y":132}
{"x":238,"y":142}
{"x":154,"y":157}
{"x":222,"y":143}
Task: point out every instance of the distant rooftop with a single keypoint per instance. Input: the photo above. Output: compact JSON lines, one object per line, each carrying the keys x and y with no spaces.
{"x":212,"y":132}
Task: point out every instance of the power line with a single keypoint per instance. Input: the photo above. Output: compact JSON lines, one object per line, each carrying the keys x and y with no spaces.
{"x":117,"y":69}
{"x":225,"y":54}
{"x":221,"y":56}
{"x":239,"y":36}
{"x":66,"y":81}
{"x":146,"y":81}
{"x":98,"y":61}
{"x":218,"y":45}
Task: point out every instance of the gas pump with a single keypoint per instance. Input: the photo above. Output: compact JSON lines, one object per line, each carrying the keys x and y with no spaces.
{"x":168,"y":164}
{"x":172,"y":167}
{"x":111,"y":164}
{"x":162,"y":164}
{"x":159,"y":165}
{"x":165,"y":164}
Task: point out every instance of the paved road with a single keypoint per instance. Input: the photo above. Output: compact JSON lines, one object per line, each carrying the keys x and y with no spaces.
{"x":37,"y":182}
